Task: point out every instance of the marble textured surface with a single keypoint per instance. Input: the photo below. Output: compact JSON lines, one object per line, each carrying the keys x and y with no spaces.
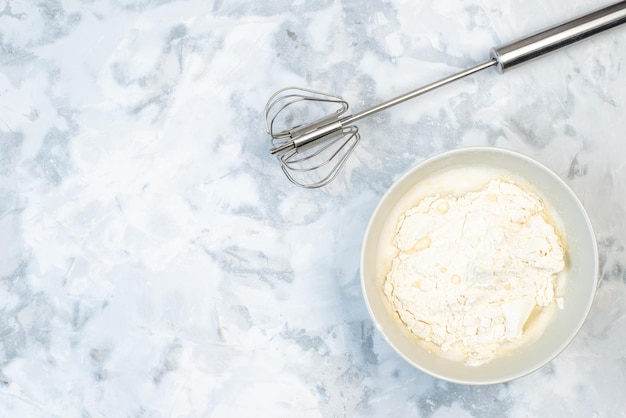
{"x":154,"y":261}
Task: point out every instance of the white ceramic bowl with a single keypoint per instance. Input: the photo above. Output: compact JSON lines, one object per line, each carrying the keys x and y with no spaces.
{"x":578,"y":290}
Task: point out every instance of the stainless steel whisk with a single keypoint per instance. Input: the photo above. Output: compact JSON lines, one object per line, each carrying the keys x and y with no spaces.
{"x":312,"y":154}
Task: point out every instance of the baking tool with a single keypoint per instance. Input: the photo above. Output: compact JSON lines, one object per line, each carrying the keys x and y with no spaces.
{"x":312,"y":154}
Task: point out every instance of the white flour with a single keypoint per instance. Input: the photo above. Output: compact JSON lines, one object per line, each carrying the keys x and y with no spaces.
{"x":469,"y":271}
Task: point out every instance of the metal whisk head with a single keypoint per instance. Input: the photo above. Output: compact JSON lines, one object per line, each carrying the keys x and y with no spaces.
{"x":311,"y":154}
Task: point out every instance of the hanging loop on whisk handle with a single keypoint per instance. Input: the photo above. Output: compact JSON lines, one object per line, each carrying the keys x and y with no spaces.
{"x":556,"y":37}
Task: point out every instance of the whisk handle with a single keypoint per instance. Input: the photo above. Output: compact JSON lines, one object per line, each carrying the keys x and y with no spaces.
{"x":540,"y":43}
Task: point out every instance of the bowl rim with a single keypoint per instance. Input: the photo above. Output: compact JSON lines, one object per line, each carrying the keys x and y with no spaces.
{"x":514,"y":154}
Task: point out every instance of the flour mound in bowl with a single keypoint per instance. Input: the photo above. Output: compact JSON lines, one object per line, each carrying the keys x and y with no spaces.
{"x":469,"y":271}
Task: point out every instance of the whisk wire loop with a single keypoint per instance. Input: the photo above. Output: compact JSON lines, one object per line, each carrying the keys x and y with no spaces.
{"x":290,"y":96}
{"x":299,"y":166}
